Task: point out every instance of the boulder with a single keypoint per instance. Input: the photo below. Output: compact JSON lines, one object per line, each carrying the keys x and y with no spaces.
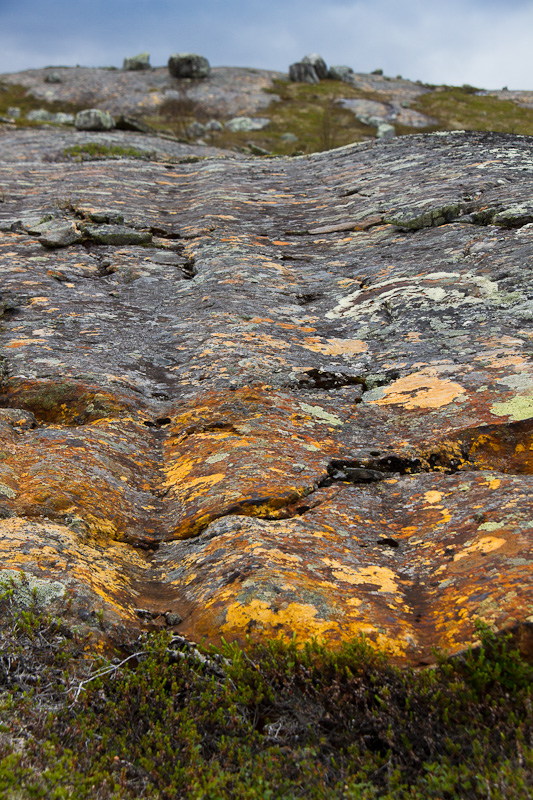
{"x":63,"y":119}
{"x":127,"y":123}
{"x":59,"y":233}
{"x":340,"y":73}
{"x":53,"y":77}
{"x":214,"y":125}
{"x":301,"y":72}
{"x":195,"y":130}
{"x":188,"y":65}
{"x":136,"y":63}
{"x":386,"y":131}
{"x":115,"y":234}
{"x":318,"y":63}
{"x":40,"y":115}
{"x":247,"y":124}
{"x":93,"y":119}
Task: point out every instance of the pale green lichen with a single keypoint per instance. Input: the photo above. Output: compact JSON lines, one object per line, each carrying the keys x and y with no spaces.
{"x":517,"y":408}
{"x":7,"y":491}
{"x":319,"y":413}
{"x":28,"y":590}
{"x":217,"y":457}
{"x":490,"y":526}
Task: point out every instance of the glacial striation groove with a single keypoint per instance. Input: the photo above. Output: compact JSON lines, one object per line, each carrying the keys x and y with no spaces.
{"x":260,"y":397}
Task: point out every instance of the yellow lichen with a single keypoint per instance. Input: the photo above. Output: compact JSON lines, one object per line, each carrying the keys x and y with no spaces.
{"x":487,"y":544}
{"x":420,"y":390}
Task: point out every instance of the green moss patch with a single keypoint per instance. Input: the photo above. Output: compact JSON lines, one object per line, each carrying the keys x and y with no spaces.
{"x":12,"y":95}
{"x":92,"y":151}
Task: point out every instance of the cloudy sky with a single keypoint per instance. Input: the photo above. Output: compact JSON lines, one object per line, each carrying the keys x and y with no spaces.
{"x":487,"y":43}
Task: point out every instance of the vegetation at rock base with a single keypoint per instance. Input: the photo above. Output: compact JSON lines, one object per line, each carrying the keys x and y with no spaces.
{"x":311,"y":113}
{"x":462,"y":108}
{"x":315,"y":116}
{"x":12,"y":95}
{"x":92,"y":151}
{"x":271,"y":721}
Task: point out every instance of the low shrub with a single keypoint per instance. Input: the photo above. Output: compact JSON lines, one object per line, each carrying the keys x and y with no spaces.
{"x":173,"y":720}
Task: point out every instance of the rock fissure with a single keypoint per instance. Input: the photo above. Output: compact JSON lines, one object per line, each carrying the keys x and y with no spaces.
{"x":323,"y":433}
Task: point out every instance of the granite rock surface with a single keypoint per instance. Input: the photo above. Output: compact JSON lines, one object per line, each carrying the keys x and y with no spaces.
{"x":295,"y":398}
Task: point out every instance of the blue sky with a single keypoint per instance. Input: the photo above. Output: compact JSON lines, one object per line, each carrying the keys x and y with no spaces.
{"x":482,"y":42}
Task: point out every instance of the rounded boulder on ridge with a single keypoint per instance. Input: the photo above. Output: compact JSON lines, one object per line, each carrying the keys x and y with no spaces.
{"x":188,"y":65}
{"x":93,"y":119}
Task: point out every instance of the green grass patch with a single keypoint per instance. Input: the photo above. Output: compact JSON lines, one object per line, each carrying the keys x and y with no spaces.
{"x":12,"y":95}
{"x":459,"y":108}
{"x":271,"y":721}
{"x":311,"y":113}
{"x":92,"y":151}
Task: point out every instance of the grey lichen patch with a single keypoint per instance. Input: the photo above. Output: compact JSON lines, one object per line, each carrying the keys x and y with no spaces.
{"x":60,"y":234}
{"x":28,"y":590}
{"x":415,"y":219}
{"x":515,"y":216}
{"x":116,"y":234}
{"x":443,"y":289}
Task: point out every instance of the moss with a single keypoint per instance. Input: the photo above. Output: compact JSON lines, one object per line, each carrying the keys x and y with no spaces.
{"x":60,"y":402}
{"x":19,"y":96}
{"x":98,"y":150}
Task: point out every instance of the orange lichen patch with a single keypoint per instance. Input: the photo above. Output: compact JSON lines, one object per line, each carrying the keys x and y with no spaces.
{"x":104,"y":578}
{"x":506,"y":448}
{"x":509,"y":361}
{"x":433,"y":496}
{"x":234,"y":459}
{"x":14,"y":343}
{"x":420,"y":390}
{"x":334,"y":347}
{"x":486,"y":544}
{"x":102,"y":474}
{"x":197,"y":486}
{"x":298,"y":618}
{"x":379,"y":576}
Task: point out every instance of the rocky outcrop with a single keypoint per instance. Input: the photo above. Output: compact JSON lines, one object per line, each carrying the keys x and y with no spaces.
{"x":298,"y":400}
{"x":227,"y":92}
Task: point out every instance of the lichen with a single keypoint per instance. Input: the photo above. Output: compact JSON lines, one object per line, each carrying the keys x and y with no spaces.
{"x":28,"y":590}
{"x":517,"y":408}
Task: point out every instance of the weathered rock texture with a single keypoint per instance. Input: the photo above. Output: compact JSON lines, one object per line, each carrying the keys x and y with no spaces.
{"x":227,"y":91}
{"x":301,"y":402}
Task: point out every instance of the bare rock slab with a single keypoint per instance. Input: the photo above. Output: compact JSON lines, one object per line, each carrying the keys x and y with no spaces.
{"x":286,"y":399}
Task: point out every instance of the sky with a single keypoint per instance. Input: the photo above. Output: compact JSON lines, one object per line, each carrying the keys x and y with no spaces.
{"x":485,"y":43}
